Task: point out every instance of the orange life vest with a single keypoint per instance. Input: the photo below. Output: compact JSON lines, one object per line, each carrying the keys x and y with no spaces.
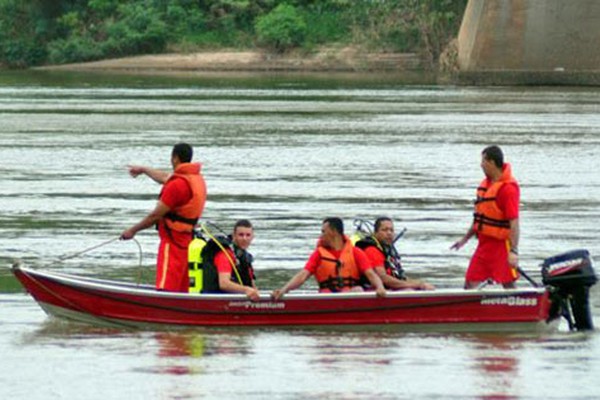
{"x":185,"y":217}
{"x":337,"y":274}
{"x":488,"y":219}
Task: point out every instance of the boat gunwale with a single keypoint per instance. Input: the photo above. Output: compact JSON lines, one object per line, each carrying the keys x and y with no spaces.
{"x":126,"y":288}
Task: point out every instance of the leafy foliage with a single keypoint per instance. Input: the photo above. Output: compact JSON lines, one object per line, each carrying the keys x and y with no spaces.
{"x":22,"y":32}
{"x":425,"y":26}
{"x":282,"y":29}
{"x":40,"y":31}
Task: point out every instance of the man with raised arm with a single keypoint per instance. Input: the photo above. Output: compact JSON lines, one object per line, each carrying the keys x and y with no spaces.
{"x":179,"y":206}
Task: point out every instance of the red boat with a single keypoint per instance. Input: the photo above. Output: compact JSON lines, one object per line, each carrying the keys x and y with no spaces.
{"x":113,"y":303}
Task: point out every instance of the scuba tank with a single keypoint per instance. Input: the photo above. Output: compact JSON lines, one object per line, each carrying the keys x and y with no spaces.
{"x":195,"y":267}
{"x":362,"y":230}
{"x":357,"y":237}
{"x":210,"y":275}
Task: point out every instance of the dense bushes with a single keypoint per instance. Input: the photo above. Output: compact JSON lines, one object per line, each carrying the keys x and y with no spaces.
{"x":22,"y":34}
{"x":108,"y":30}
{"x":60,"y":31}
{"x":281,"y":29}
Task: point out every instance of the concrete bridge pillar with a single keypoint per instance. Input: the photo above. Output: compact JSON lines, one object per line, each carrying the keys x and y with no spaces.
{"x":530,"y":36}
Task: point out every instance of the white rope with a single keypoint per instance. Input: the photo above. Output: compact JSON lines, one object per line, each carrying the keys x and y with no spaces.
{"x":73,"y":255}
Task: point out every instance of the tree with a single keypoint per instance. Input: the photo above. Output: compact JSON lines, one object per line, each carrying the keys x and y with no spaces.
{"x":282,"y":29}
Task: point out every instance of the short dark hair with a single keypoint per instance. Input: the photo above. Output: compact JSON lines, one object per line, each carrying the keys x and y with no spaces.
{"x":242,"y":223}
{"x":379,"y":221}
{"x":335,"y":223}
{"x":494,"y":153}
{"x":183,"y":151}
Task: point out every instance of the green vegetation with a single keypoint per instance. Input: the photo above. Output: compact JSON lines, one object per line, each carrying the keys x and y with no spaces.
{"x":281,"y":29}
{"x":37,"y":32}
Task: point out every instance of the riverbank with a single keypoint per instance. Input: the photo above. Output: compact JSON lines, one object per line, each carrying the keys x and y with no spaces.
{"x":346,"y":59}
{"x":340,"y":61}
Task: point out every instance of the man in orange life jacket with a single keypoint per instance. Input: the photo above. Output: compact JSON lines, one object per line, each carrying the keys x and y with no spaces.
{"x":382,"y":254}
{"x":234,"y":265}
{"x":495,"y":223}
{"x":336,"y":264}
{"x":177,"y":211}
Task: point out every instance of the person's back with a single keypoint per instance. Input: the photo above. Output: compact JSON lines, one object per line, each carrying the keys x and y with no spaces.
{"x":184,"y":193}
{"x":210,"y":277}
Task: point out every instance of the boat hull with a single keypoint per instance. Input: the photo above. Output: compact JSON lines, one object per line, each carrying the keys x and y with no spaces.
{"x":121,"y":304}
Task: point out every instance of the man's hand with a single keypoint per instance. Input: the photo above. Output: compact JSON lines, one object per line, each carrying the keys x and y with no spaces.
{"x":127,"y":234}
{"x":513,"y":259}
{"x":135,"y":170}
{"x":380,"y":292}
{"x":459,"y":243}
{"x":277,"y":294}
{"x":252,"y":294}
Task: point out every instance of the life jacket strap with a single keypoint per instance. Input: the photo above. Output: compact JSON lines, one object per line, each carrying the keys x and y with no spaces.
{"x":480,"y":200}
{"x":337,"y":262}
{"x":170,"y":234}
{"x":481,"y":220}
{"x":178,"y":218}
{"x":336,"y":284}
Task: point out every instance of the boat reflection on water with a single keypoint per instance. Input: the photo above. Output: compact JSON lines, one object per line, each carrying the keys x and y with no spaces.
{"x":367,"y":349}
{"x":196,"y":345}
{"x":498,"y":369}
{"x":180,"y":345}
{"x":187,"y":347}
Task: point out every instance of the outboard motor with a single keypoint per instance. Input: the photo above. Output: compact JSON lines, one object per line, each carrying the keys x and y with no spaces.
{"x":569,"y":277}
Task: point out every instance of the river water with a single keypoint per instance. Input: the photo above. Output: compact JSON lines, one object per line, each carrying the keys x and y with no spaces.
{"x":286,"y":152}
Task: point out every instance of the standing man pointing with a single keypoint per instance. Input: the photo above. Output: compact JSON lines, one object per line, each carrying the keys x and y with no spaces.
{"x":495,"y":223}
{"x":177,"y":211}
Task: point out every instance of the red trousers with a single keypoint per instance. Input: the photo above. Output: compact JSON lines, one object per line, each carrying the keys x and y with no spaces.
{"x":490,"y":261}
{"x":172,"y":267}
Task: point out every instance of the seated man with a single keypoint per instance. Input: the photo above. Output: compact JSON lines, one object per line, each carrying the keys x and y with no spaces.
{"x":336,"y":264}
{"x":380,"y":250}
{"x":229,"y":268}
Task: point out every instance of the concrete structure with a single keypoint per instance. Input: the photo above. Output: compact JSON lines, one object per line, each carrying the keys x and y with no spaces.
{"x":542,"y":39}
